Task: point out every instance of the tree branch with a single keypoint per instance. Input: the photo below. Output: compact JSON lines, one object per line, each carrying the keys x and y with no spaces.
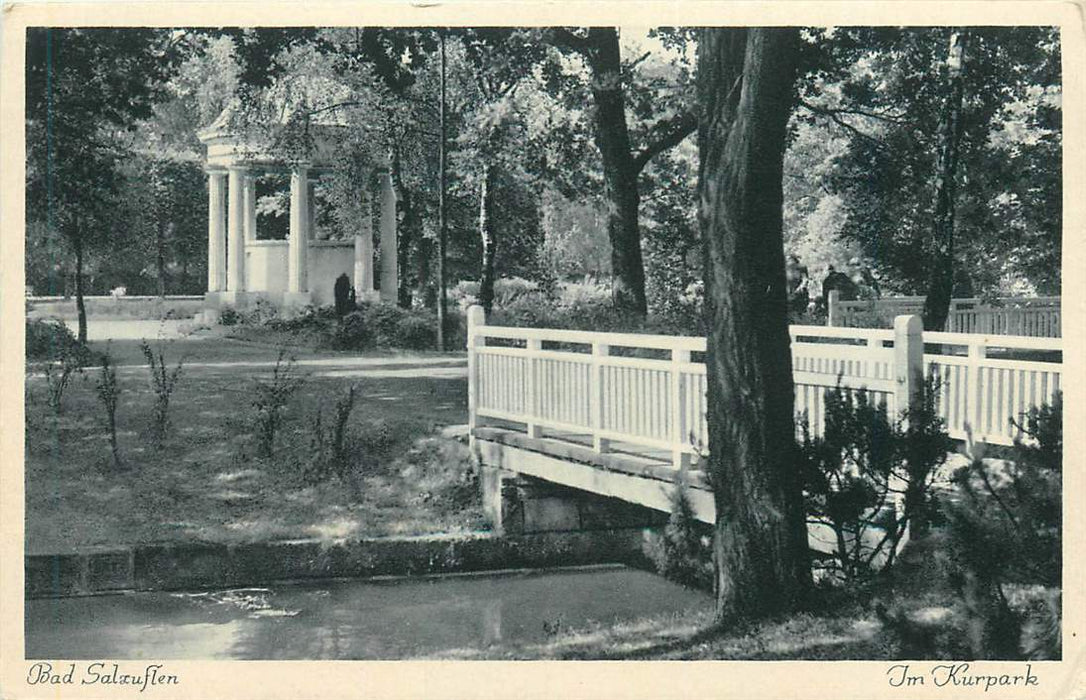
{"x":565,"y":39}
{"x":634,"y":63}
{"x":836,"y":118}
{"x":672,"y":132}
{"x":883,"y":116}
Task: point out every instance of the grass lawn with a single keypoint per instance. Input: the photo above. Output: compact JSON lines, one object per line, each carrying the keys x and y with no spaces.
{"x":692,"y":636}
{"x":206,"y":482}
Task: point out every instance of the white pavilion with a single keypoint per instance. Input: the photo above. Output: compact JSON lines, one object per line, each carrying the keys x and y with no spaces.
{"x":300,"y":270}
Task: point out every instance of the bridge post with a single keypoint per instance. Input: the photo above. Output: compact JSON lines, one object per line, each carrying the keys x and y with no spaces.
{"x":680,"y":458}
{"x":833,"y":308}
{"x":596,"y":403}
{"x":908,"y":361}
{"x":476,"y":321}
{"x":534,"y":398}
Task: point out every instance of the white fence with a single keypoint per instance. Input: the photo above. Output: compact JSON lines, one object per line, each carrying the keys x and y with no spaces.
{"x":646,"y":393}
{"x":1037,"y":317}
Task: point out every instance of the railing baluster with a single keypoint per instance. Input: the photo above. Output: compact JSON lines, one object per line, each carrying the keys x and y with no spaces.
{"x":532,"y":400}
{"x":680,"y":458}
{"x":599,"y":405}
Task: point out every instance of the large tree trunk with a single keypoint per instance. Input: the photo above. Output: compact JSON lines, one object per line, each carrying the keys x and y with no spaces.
{"x":745,"y":81}
{"x":619,"y":172}
{"x":76,"y":238}
{"x":941,"y":282}
{"x":489,"y":240}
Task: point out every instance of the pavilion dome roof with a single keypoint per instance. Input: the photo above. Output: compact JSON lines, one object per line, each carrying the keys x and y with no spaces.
{"x":253,"y":131}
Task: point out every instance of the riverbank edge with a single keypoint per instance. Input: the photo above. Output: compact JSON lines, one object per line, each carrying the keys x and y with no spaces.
{"x":198,"y":566}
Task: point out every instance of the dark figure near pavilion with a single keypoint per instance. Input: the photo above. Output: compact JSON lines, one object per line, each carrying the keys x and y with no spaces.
{"x":344,"y":296}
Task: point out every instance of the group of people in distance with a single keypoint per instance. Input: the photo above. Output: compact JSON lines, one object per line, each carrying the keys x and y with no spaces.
{"x":800,"y":297}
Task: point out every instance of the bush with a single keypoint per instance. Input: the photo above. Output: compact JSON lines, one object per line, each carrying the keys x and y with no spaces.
{"x":456,"y":330}
{"x":229,"y":316}
{"x":163,"y":383}
{"x":309,"y":318}
{"x":270,"y":401}
{"x":683,"y":552}
{"x":383,"y":319}
{"x":855,"y":471}
{"x":58,"y":376}
{"x":109,"y":391}
{"x":49,"y":339}
{"x":1005,"y":529}
{"x":351,"y":332}
{"x":416,"y":333}
{"x":329,"y":454}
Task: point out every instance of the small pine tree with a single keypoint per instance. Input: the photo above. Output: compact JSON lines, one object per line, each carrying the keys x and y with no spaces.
{"x":1005,"y":527}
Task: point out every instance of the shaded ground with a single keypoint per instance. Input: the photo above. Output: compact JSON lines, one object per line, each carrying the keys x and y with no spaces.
{"x":206,"y":482}
{"x":691,"y":636}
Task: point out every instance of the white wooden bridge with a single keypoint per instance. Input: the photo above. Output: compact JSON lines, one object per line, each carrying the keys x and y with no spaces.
{"x":618,"y":414}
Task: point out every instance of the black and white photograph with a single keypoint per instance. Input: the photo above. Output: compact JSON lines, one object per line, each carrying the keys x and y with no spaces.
{"x":612,"y":337}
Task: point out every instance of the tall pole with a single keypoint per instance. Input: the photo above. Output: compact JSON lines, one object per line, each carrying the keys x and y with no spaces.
{"x":442,"y":222}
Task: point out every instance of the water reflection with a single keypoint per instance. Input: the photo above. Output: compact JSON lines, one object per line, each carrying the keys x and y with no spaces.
{"x":347,"y":620}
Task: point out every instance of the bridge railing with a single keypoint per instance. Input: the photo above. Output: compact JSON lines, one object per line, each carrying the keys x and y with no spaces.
{"x":647,"y":393}
{"x":1037,"y":317}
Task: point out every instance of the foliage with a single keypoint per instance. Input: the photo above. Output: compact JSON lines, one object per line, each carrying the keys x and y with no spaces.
{"x":270,"y":401}
{"x":309,"y":317}
{"x":86,"y":87}
{"x":869,"y":478}
{"x":59,"y":375}
{"x":683,"y":551}
{"x":108,"y":391}
{"x":48,"y":339}
{"x":416,"y":333}
{"x":328,"y":446}
{"x":351,"y":332}
{"x":163,"y":383}
{"x":1005,"y":527}
{"x":861,"y":165}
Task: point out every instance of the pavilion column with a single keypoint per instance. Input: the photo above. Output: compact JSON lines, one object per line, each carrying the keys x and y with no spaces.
{"x":389,"y":276}
{"x":311,"y":209}
{"x":235,"y":251}
{"x":249,"y":200}
{"x":363,"y":253}
{"x":216,"y":232}
{"x":297,"y":271}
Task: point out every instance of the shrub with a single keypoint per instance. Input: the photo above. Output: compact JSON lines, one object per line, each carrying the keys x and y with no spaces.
{"x":456,"y":330}
{"x":309,"y":318}
{"x":683,"y":551}
{"x":229,"y":316}
{"x":416,"y":333}
{"x":49,"y":339}
{"x":57,"y":378}
{"x":1005,"y":528}
{"x":383,"y":320}
{"x":351,"y":332}
{"x":163,"y":382}
{"x":861,"y":463}
{"x":109,"y":392}
{"x":270,"y":401}
{"x":329,"y":454}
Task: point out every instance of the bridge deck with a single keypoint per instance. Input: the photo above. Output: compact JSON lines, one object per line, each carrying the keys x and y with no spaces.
{"x":643,"y":479}
{"x":637,"y":478}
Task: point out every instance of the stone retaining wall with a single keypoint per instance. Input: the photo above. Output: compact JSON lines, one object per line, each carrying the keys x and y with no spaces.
{"x":207,"y":566}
